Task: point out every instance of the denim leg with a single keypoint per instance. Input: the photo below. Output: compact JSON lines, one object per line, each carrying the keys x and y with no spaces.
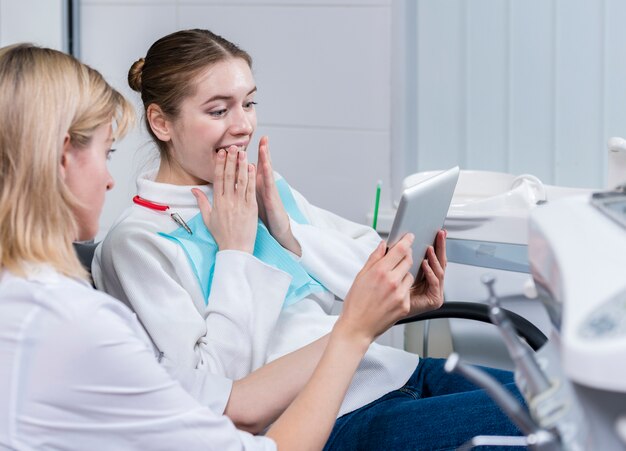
{"x":433,"y":411}
{"x":430,"y":379}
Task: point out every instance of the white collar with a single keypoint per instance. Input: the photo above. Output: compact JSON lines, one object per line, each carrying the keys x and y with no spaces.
{"x":43,"y":273}
{"x":175,"y":196}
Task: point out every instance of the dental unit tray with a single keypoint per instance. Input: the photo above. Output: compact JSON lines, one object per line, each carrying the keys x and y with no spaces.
{"x":488,"y":254}
{"x":487,"y":222}
{"x":612,"y":204}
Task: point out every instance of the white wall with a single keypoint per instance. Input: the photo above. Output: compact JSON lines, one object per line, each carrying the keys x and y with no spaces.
{"x":533,"y":86}
{"x":353,"y":91}
{"x":323,"y":73}
{"x":38,"y":21}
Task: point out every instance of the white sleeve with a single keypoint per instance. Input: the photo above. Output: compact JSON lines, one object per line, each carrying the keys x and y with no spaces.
{"x":92,"y":383}
{"x":333,"y":249}
{"x":205,"y":351}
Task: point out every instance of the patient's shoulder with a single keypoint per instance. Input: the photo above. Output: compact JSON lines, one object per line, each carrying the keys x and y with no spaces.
{"x":138,"y":227}
{"x":136,"y":221}
{"x":132,"y":245}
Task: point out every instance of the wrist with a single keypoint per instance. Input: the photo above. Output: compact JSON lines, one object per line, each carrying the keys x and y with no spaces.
{"x":236,"y":247}
{"x":357,"y":340}
{"x":289,"y":242}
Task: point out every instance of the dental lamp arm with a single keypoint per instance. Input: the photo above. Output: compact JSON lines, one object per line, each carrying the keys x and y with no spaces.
{"x":526,"y":366}
{"x":498,"y":393}
{"x":535,"y":438}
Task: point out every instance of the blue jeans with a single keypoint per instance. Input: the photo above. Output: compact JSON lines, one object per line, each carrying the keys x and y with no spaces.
{"x":434,"y":410}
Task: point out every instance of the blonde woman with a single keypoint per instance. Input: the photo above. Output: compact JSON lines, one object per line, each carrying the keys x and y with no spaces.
{"x":77,"y":371}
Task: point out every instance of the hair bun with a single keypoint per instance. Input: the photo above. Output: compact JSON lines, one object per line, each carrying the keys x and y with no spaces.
{"x":134,"y":74}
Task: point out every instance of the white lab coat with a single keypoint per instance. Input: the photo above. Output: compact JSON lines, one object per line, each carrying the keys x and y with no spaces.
{"x":77,"y":371}
{"x":153,"y":276}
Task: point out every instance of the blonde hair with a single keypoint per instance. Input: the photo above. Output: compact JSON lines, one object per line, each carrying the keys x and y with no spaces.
{"x":46,"y":95}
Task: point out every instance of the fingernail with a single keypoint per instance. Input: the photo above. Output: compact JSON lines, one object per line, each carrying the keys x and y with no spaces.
{"x":411,"y":237}
{"x":221,"y":153}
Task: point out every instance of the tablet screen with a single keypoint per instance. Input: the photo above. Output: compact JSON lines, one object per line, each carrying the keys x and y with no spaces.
{"x":422,"y":211}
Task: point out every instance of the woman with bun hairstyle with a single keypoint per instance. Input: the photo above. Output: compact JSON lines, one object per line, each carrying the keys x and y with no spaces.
{"x":217,"y":309}
{"x":77,"y":370}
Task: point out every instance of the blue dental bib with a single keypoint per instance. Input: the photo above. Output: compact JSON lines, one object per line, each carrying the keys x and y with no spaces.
{"x":201,"y":248}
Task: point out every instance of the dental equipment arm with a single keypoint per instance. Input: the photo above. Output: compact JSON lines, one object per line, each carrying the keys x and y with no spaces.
{"x":552,"y":406}
{"x":535,"y":438}
{"x":526,"y":367}
{"x":498,"y":393}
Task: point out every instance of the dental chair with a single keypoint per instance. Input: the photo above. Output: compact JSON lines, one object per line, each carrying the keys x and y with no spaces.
{"x":85,"y":250}
{"x":475,"y":311}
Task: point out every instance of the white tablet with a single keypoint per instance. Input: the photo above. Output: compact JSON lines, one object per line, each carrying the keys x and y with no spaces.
{"x":422,"y":211}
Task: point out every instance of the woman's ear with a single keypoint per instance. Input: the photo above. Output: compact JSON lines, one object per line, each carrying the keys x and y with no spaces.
{"x":158,"y":122}
{"x":65,"y":156}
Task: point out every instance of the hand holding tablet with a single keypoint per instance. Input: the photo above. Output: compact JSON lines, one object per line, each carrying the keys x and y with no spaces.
{"x":422,"y":211}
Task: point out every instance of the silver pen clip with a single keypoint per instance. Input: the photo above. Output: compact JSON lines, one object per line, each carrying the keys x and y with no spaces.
{"x":178,"y":220}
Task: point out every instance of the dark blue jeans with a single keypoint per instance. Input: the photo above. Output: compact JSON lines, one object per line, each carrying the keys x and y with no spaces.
{"x":434,"y":410}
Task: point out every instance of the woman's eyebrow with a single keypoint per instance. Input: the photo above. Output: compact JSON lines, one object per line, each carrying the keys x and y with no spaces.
{"x":223,"y":97}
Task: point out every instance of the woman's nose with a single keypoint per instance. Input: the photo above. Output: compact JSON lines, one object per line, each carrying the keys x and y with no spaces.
{"x":242,"y":123}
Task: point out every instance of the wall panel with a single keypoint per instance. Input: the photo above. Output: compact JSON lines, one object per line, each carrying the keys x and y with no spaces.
{"x":487,"y":84}
{"x":441,"y":78}
{"x":531,"y":114}
{"x":579,"y":93}
{"x":519,"y":86}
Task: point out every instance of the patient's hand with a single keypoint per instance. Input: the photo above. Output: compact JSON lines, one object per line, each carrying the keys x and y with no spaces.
{"x":379,"y":296}
{"x":271,"y":209}
{"x":427,"y":292}
{"x":232,"y":220}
